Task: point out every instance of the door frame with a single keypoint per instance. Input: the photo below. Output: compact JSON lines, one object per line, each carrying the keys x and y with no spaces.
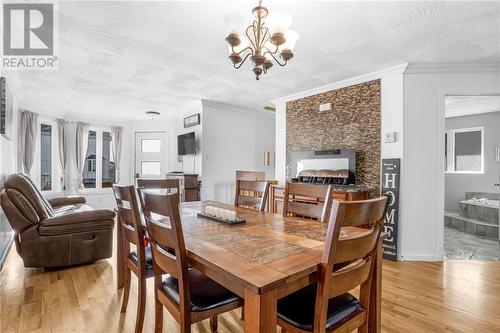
{"x":165,"y":151}
{"x":440,"y":181}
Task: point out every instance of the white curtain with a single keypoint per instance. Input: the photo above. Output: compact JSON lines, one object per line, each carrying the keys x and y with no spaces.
{"x":116,"y":148}
{"x":82,"y":142}
{"x":63,"y":150}
{"x":27,"y":140}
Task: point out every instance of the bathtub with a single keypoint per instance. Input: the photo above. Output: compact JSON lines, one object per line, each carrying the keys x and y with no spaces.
{"x":482,"y":202}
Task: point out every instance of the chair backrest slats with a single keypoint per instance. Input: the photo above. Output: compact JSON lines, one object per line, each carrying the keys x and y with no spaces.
{"x":350,"y":277}
{"x":130,"y":220}
{"x":251,"y":194}
{"x":356,"y":247}
{"x":356,"y":254}
{"x":307,"y":200}
{"x":161,"y":212}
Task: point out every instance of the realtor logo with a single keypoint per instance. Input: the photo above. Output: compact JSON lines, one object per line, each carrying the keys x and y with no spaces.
{"x":29,"y":36}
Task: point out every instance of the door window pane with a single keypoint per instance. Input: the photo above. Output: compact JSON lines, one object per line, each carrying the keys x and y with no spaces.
{"x":150,"y":168}
{"x":150,"y":145}
{"x":89,"y":171}
{"x":108,"y":165}
{"x":468,"y":151}
{"x":46,"y":158}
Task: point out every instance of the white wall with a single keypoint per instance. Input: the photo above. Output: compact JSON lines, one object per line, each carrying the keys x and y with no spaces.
{"x":456,"y":184}
{"x":233,"y":139}
{"x":422,"y":185}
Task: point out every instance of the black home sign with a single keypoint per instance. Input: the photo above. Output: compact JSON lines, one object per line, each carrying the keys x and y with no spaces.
{"x":390,"y":187}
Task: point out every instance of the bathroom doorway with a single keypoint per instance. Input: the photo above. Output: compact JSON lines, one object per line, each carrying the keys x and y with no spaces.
{"x":472,"y":178}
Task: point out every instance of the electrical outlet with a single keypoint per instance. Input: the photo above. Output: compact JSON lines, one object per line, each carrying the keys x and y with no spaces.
{"x":325,"y":107}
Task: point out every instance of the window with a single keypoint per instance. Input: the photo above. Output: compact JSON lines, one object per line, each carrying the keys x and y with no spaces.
{"x":45,"y":157}
{"x":464,"y":150}
{"x":150,"y":145}
{"x":108,"y":165}
{"x":151,"y":168}
{"x":89,"y":173}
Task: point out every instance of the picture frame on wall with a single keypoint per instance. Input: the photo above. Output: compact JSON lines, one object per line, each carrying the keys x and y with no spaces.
{"x":6,"y":110}
{"x":192,"y":120}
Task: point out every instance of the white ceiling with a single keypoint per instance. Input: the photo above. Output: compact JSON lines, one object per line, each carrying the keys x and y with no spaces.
{"x":456,"y":106}
{"x":120,"y":59}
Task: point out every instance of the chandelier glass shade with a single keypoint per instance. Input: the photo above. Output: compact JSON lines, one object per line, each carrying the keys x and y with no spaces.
{"x":266,"y":40}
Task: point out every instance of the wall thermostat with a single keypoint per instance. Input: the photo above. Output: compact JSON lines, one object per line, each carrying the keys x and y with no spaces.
{"x":390,"y":137}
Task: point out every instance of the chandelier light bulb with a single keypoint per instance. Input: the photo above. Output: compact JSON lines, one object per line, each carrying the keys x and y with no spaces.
{"x":278,"y":22}
{"x":291,"y":38}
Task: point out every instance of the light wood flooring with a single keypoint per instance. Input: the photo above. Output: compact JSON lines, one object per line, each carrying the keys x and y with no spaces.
{"x":454,"y":296}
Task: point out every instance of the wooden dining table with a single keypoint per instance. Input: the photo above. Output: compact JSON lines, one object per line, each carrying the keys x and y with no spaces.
{"x":266,"y":258}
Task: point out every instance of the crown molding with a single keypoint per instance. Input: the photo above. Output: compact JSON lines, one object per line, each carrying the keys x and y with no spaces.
{"x":395,"y":70}
{"x":452,"y":68}
{"x":237,"y":109}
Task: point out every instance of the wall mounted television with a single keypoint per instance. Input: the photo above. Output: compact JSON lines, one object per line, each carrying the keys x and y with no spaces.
{"x":186,"y":144}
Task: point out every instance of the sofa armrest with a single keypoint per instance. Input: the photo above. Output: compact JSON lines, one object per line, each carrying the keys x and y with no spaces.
{"x":65,"y":201}
{"x":78,"y":222}
{"x":83,"y":216}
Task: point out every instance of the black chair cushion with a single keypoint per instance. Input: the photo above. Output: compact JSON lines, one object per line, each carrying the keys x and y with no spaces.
{"x":206,"y":294}
{"x":297,"y":309}
{"x":148,"y":256}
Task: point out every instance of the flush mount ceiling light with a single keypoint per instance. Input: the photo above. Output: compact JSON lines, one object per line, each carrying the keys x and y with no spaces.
{"x":266,"y":39}
{"x":152,"y":114}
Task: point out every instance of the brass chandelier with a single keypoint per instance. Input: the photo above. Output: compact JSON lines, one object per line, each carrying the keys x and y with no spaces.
{"x":266,"y":39}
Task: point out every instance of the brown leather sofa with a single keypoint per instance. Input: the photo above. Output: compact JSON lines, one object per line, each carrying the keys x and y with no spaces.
{"x":57,"y":232}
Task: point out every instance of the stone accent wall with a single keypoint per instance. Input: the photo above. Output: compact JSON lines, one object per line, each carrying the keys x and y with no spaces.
{"x":353,"y":123}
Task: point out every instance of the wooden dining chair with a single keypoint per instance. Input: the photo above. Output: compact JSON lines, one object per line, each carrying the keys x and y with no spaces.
{"x":187,"y":294}
{"x":308,"y":200}
{"x":251,"y":194}
{"x":327,"y":306}
{"x":171,"y":185}
{"x":140,"y":261}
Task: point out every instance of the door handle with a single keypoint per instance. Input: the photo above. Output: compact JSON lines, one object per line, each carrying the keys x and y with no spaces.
{"x":496,"y":184}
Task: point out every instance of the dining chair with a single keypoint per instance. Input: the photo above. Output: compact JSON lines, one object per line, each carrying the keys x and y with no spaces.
{"x":139,"y":261}
{"x":171,"y":185}
{"x":186,"y":293}
{"x":251,"y":194}
{"x":308,"y":200}
{"x":327,"y":306}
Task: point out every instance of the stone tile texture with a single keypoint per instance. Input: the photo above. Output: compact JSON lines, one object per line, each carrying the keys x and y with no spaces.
{"x":353,"y":123}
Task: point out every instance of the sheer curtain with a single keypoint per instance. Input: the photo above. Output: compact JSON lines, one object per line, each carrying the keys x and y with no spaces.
{"x":82,"y":142}
{"x":27,"y":140}
{"x":116,"y":148}
{"x":63,"y":150}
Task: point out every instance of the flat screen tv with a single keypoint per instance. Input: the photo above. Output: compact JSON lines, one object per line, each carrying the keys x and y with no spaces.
{"x":186,"y":144}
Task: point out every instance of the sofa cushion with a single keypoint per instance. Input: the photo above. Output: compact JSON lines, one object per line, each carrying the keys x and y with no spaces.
{"x":81,"y":219}
{"x":23,"y":205}
{"x":24,"y":185}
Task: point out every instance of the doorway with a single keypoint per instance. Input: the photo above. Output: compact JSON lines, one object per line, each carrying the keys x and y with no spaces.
{"x":472,"y":178}
{"x":150,"y":155}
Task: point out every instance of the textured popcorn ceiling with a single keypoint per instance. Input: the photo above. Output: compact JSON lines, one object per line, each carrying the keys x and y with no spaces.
{"x":120,"y":59}
{"x":456,"y":106}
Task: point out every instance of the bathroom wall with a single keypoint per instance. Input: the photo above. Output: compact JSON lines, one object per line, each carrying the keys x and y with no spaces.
{"x":457,"y":184}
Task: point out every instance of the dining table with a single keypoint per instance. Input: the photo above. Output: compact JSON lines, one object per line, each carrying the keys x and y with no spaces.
{"x":262,"y":260}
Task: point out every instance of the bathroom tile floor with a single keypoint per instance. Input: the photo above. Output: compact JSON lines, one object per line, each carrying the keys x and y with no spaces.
{"x":462,"y":246}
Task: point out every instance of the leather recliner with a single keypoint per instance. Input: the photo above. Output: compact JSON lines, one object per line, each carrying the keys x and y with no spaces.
{"x":58,"y":232}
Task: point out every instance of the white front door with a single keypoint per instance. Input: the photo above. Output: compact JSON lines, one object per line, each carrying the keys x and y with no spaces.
{"x":150,"y":155}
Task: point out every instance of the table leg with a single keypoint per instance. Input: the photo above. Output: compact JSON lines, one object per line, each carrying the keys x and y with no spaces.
{"x":374,"y":320}
{"x":260,"y":312}
{"x":120,"y":265}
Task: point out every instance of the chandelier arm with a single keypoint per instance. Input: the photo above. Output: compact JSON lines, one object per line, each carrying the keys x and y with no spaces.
{"x":275,"y":59}
{"x":248,"y":36}
{"x":238,"y":53}
{"x":241,"y":63}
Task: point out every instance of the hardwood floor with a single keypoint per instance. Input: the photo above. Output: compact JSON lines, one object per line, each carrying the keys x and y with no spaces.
{"x":454,"y":296}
